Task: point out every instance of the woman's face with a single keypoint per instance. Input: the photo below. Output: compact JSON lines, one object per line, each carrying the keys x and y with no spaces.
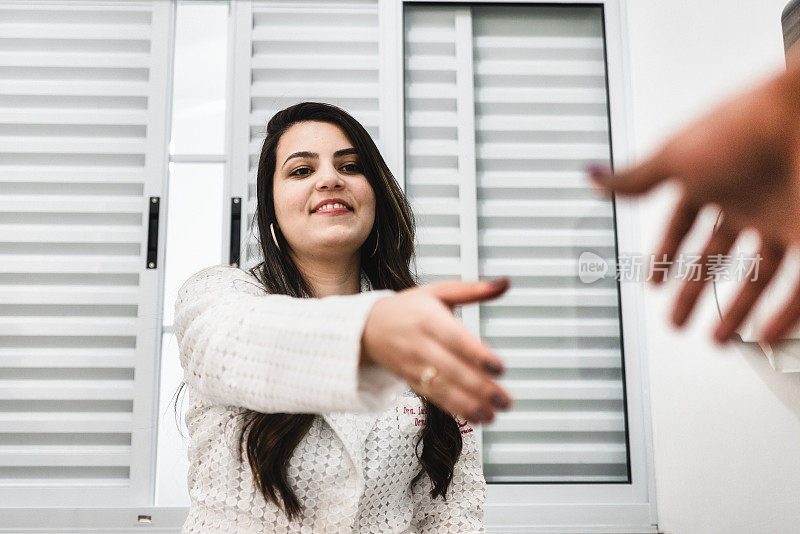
{"x":308,"y":170}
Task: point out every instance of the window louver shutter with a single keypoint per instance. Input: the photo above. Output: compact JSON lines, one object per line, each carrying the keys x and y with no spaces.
{"x":82,"y":115}
{"x":538,"y":103}
{"x":300,"y":51}
{"x":432,"y":140}
{"x":440,"y":145}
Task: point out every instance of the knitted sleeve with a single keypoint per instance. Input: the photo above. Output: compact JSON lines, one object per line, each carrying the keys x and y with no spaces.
{"x":462,"y":512}
{"x":244,"y":347}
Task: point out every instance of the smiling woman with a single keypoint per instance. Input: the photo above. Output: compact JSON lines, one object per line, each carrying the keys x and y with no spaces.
{"x":309,"y":353}
{"x":323,"y":243}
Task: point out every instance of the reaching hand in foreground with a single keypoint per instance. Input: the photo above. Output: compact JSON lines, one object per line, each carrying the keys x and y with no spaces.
{"x":743,"y":157}
{"x":416,"y":328}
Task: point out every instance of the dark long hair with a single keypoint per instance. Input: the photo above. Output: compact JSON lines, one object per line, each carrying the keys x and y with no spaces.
{"x":271,"y":438}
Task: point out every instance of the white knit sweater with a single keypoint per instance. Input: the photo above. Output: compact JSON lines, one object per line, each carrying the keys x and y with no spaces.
{"x":242,"y":348}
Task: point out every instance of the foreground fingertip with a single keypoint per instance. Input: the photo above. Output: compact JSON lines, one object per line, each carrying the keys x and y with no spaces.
{"x":481,"y":415}
{"x":501,"y":283}
{"x":768,"y":338}
{"x":678,"y":318}
{"x":599,"y":173}
{"x":493,"y":368}
{"x":500,"y":401}
{"x":721,"y":338}
{"x":769,"y":335}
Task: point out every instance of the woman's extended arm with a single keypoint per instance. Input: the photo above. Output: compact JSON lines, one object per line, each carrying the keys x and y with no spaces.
{"x":275,"y":353}
{"x":463,"y":510}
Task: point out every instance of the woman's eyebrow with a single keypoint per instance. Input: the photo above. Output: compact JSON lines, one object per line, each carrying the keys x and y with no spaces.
{"x":314,"y":155}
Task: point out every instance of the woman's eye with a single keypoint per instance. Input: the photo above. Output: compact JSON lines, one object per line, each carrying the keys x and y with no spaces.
{"x":353,"y":167}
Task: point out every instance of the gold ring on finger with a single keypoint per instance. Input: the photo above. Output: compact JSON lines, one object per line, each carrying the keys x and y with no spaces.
{"x":427,"y":375}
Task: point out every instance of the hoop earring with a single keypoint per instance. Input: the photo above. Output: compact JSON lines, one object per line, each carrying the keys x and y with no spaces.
{"x":377,"y":239}
{"x":271,"y":229}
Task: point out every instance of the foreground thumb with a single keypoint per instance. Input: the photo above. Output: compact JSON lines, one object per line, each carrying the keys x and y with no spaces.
{"x":457,"y":292}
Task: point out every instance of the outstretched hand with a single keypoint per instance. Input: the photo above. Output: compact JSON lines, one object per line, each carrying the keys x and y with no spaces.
{"x":743,"y":157}
{"x":415,"y":328}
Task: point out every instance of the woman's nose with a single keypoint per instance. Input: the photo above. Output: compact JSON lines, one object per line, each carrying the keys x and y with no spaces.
{"x":329,"y":179}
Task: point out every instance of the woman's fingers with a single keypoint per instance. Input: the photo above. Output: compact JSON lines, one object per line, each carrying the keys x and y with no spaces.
{"x":679,"y":226}
{"x":784,"y":320}
{"x":456,"y":402}
{"x":770,"y":257}
{"x":451,"y":333}
{"x":461,"y":388}
{"x":719,"y":243}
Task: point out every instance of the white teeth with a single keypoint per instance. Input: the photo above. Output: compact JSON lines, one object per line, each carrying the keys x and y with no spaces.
{"x":331,"y":206}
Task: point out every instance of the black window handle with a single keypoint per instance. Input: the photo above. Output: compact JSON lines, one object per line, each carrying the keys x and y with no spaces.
{"x":236,"y":229}
{"x":152,"y":233}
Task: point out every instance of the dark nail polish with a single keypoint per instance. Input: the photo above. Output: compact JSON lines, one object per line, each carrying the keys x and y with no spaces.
{"x":499,"y":401}
{"x":493,"y":368}
{"x":497,"y":283}
{"x":598,"y":173}
{"x":482,"y":415}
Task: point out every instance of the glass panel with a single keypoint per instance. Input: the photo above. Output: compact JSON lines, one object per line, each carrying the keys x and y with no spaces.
{"x":194,"y":225}
{"x":541,"y":116}
{"x":194,"y":210}
{"x":198,"y":98}
{"x":172,"y":464}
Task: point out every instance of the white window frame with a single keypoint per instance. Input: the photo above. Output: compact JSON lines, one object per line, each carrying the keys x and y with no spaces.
{"x":142,"y":454}
{"x":566,"y":508}
{"x":597,"y":507}
{"x":125,"y":519}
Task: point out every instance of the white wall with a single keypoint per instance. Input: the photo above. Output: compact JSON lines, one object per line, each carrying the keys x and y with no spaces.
{"x":726,"y":426}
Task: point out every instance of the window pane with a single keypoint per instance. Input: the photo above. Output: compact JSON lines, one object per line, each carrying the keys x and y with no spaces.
{"x":194,"y":225}
{"x":198,"y":115}
{"x":172,"y":461}
{"x":536,"y":93}
{"x":79,"y":146}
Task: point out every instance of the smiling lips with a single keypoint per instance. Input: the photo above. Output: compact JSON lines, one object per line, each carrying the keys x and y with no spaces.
{"x":332,"y":208}
{"x":331,"y":211}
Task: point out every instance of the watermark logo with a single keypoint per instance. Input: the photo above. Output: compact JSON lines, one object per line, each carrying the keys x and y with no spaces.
{"x":689,"y":267}
{"x":591,"y":267}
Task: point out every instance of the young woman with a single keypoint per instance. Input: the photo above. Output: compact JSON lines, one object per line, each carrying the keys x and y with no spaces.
{"x":297,"y":371}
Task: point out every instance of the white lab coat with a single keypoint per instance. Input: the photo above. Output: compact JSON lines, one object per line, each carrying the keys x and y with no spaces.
{"x":242,"y":348}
